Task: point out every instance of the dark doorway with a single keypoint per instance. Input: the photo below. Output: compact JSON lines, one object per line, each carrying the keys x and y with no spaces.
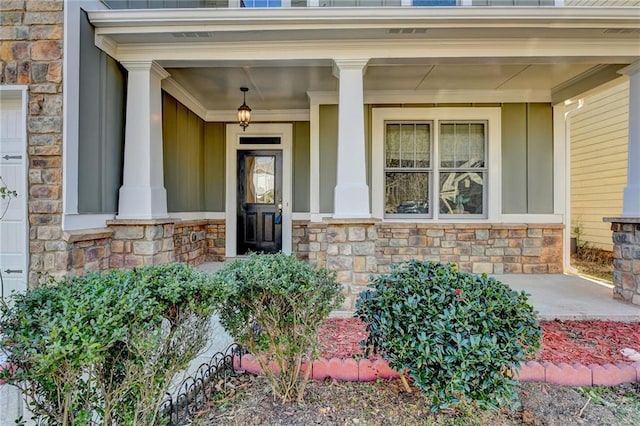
{"x":259,"y":201}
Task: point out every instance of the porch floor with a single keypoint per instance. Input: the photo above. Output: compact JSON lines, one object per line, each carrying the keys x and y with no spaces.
{"x":554,"y":296}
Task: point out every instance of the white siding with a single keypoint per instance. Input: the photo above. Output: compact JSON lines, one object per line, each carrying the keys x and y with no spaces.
{"x":599,"y":136}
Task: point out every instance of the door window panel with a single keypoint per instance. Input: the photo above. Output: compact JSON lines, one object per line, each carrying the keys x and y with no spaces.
{"x":260,"y":179}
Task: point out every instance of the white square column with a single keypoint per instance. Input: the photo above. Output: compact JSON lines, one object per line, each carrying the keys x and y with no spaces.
{"x":631,"y":197}
{"x":142,"y":195}
{"x":351,"y":196}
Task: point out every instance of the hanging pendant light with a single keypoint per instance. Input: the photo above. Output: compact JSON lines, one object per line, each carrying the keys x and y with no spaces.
{"x":244,"y":112}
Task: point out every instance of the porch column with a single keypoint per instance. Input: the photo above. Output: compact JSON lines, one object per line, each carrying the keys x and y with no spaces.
{"x":631,"y":197}
{"x":351,"y":197}
{"x":142,"y":195}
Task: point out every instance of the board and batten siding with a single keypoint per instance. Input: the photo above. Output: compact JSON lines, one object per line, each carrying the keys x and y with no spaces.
{"x":194,"y":161}
{"x":599,"y":135}
{"x":100,"y":126}
{"x":527,"y":158}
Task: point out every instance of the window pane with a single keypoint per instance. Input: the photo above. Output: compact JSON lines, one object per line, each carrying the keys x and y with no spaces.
{"x":447,"y":145}
{"x":260,"y":179}
{"x":476,"y":144}
{"x":392,"y":142}
{"x":407,"y":193}
{"x":434,"y":2}
{"x":462,"y":145}
{"x":462,"y":193}
{"x":407,"y":145}
{"x":423,"y":146}
{"x":260,"y":3}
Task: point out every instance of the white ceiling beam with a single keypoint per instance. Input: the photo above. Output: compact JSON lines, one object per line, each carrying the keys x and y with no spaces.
{"x":481,"y":49}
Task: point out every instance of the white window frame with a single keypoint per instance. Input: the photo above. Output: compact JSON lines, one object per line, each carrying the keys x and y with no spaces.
{"x":430,"y":171}
{"x":493,"y":188}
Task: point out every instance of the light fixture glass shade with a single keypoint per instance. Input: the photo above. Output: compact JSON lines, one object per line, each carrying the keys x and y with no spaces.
{"x":244,"y":112}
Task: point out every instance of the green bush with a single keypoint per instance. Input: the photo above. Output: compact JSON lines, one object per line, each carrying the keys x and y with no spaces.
{"x":104,"y":347}
{"x":275,"y":306}
{"x":455,"y":334}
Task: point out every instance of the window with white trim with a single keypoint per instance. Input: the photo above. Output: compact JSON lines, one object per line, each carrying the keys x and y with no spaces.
{"x":408,"y":171}
{"x":443,"y":171}
{"x":462,"y":168}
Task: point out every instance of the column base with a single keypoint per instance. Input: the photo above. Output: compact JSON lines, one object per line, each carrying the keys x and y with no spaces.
{"x":626,"y":258}
{"x":142,"y":202}
{"x":351,"y":201}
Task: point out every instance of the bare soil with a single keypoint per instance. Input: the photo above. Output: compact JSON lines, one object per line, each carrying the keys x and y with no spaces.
{"x":386,"y":403}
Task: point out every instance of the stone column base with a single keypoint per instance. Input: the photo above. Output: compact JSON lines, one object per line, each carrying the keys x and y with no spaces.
{"x":626,"y":258}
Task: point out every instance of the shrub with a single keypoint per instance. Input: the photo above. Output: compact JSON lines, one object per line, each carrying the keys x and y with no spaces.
{"x":275,"y":306}
{"x":103,"y":347}
{"x":455,"y":334}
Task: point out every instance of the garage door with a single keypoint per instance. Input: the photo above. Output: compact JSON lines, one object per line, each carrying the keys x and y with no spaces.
{"x":13,"y":224}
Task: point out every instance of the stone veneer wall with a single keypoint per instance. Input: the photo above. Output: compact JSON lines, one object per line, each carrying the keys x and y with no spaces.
{"x":626,"y":258}
{"x":358,"y":249}
{"x":128,"y":244}
{"x":141,"y":242}
{"x":90,"y":250}
{"x":31,"y":52}
{"x":216,"y":240}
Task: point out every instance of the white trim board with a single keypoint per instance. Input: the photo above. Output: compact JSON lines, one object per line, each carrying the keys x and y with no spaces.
{"x":234,"y":132}
{"x":71,"y":115}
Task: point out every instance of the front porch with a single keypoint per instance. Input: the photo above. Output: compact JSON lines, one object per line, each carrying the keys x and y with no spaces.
{"x":448,"y":144}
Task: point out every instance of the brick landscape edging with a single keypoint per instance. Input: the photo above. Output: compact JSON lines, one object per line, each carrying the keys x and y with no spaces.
{"x":365,"y":370}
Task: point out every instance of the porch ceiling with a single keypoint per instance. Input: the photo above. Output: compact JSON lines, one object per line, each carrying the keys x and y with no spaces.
{"x":282,"y":54}
{"x":285,"y":85}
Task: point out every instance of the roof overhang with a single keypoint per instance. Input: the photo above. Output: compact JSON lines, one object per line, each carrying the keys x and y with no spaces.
{"x":254,"y":44}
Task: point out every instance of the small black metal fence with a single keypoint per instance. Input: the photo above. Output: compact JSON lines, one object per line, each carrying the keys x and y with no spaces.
{"x":196,"y":390}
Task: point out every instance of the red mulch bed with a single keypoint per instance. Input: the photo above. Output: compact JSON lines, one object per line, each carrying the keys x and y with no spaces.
{"x":585,"y":342}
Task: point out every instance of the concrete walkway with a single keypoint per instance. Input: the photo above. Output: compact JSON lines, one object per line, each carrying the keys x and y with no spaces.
{"x":554,"y":296}
{"x":571,"y":297}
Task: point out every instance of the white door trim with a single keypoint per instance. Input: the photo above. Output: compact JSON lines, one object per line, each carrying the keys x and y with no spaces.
{"x":20,"y":93}
{"x":234,"y":132}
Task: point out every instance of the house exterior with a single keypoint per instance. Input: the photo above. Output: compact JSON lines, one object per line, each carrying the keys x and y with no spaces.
{"x":380,"y":131}
{"x":599,"y":148}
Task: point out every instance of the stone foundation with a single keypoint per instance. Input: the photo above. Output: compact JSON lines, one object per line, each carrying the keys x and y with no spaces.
{"x":355,"y":249}
{"x":358,"y":249}
{"x":216,"y":241}
{"x":626,"y":258}
{"x":190,"y":242}
{"x":129,"y":244}
{"x":141,"y":242}
{"x":89,"y":251}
